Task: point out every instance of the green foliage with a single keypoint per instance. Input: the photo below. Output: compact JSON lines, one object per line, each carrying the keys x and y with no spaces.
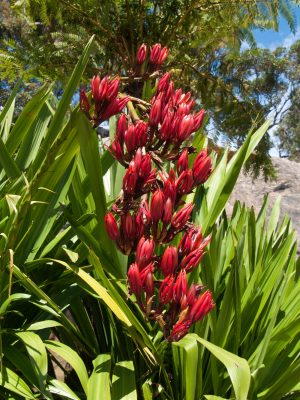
{"x":43,"y":38}
{"x":63,"y":292}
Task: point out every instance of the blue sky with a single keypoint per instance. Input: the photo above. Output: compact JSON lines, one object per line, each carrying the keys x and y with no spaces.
{"x":283,"y":37}
{"x":271,"y":39}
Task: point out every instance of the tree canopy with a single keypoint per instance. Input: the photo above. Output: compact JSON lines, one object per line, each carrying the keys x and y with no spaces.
{"x":43,"y":38}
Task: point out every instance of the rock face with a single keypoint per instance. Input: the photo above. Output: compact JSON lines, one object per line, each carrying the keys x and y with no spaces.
{"x":287,"y":185}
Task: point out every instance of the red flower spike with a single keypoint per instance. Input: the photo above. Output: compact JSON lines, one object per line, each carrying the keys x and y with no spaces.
{"x":198,"y":120}
{"x":155,"y":53}
{"x":155,"y":113}
{"x":157,"y":205}
{"x":191,"y":261}
{"x":144,"y":252}
{"x":130,"y":179}
{"x":201,"y":307}
{"x":165,"y":293}
{"x":169,"y":261}
{"x":84,"y":101}
{"x":168,"y":211}
{"x":111,"y":226}
{"x":202,"y":168}
{"x":180,"y":329}
{"x":141,"y":54}
{"x":182,"y":216}
{"x":134,"y":280}
{"x":183,"y":161}
{"x":180,"y":286}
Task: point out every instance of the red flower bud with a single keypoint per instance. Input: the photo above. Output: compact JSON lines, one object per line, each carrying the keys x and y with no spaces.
{"x":201,"y":307}
{"x":144,"y":215}
{"x":198,"y":120}
{"x":128,"y":226}
{"x":155,"y":113}
{"x":165,"y":129}
{"x":170,"y":187}
{"x":169,"y":261}
{"x":162,"y":56}
{"x":145,"y":167}
{"x":185,"y":127}
{"x":134,"y":280}
{"x":121,"y":128}
{"x":138,"y":159}
{"x":202,"y":168}
{"x":155,"y":53}
{"x":95,"y":87}
{"x":180,"y":286}
{"x":130,"y":179}
{"x":185,"y":244}
{"x":180,"y":329}
{"x":130,"y":138}
{"x":113,"y":108}
{"x":168,"y":211}
{"x":144,"y":252}
{"x":184,"y":183}
{"x":165,"y":293}
{"x":113,"y":89}
{"x":141,"y":133}
{"x":111,"y":226}
{"x":116,"y":150}
{"x":181,"y":217}
{"x":192,"y":260}
{"x":157,"y":205}
{"x":183,"y":161}
{"x":149,"y":285}
{"x":145,"y":271}
{"x":141,"y":54}
{"x":163,"y":83}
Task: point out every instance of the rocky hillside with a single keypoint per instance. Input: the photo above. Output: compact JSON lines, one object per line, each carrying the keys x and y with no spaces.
{"x":287,"y":186}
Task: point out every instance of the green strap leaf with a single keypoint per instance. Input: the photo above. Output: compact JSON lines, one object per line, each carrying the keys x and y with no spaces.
{"x":99,"y":382}
{"x":72,"y":358}
{"x":237,"y":367}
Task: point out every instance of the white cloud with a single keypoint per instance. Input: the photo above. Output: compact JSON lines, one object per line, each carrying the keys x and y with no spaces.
{"x":291,"y":38}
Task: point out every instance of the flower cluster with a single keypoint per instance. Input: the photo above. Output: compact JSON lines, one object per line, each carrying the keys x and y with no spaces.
{"x":106,"y":102}
{"x":151,"y":209}
{"x":157,"y":56}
